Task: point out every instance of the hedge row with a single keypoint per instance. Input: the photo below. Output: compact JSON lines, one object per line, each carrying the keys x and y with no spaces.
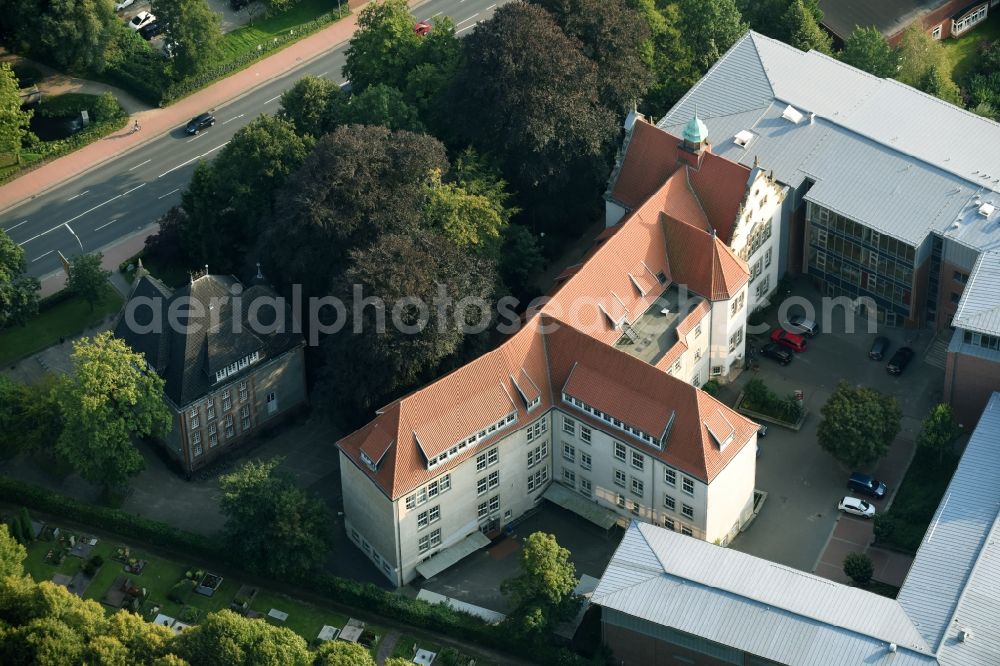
{"x":364,"y":596}
{"x":189,"y":85}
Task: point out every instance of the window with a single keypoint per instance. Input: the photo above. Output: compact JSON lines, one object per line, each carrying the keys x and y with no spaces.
{"x":536,"y":429}
{"x":245,"y":412}
{"x":736,"y":339}
{"x":668,"y":523}
{"x":432,"y":489}
{"x":767,"y":258}
{"x":480,"y":462}
{"x":569,"y":425}
{"x":697,"y":330}
{"x":569,"y":477}
{"x":621,"y":500}
{"x":210,"y":408}
{"x":585,"y":487}
{"x":688,"y":486}
{"x":687,"y":510}
{"x":243,"y":391}
{"x":635,"y":508}
{"x":669,"y":503}
{"x":435,"y":538}
{"x":424,"y":544}
{"x":213,"y":440}
{"x":716,"y":370}
{"x":737,"y":304}
{"x":537,"y":479}
{"x":955,"y":297}
{"x":246,"y":424}
{"x":620,"y":451}
{"x":421,"y":520}
{"x":493,"y":456}
{"x":538,"y":454}
{"x":196,"y":438}
{"x":961,"y":277}
{"x":585,"y":461}
{"x":227,"y":401}
{"x":481,"y":486}
{"x":494,"y":504}
{"x":434,"y":514}
{"x":569,"y":452}
{"x":421,"y":496}
{"x":686,"y":531}
{"x":697,"y":356}
{"x":936,"y":32}
{"x":619,"y":478}
{"x":585,"y":433}
{"x":197,"y":451}
{"x":444,"y":483}
{"x":411,"y":502}
{"x":638,"y":460}
{"x":193,"y":418}
{"x":637,"y":486}
{"x":493,"y":480}
{"x":670,"y":477}
{"x":229,"y":426}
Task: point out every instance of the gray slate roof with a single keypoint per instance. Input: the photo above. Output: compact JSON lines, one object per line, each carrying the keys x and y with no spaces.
{"x":887,"y":155}
{"x":979,"y":310}
{"x":954,"y":582}
{"x":793,"y":617}
{"x":188,"y":356}
{"x":889,"y":16}
{"x":763,"y":608}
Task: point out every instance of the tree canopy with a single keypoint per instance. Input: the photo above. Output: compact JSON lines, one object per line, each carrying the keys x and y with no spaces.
{"x":18,"y":291}
{"x":867,"y":49}
{"x":341,"y":653}
{"x":670,"y":60}
{"x":709,"y":28}
{"x":87,"y":279}
{"x":383,"y":47}
{"x":194,"y":29}
{"x":803,"y":29}
{"x":923,"y":62}
{"x":12,"y":554}
{"x":271,"y":523}
{"x":547,"y":576}
{"x":939,"y":431}
{"x":227,"y":638}
{"x":109,"y":398}
{"x":305,"y":105}
{"x":13,"y":119}
{"x":858,"y":424}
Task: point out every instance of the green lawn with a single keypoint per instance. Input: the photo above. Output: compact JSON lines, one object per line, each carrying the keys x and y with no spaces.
{"x":917,"y":499}
{"x":962,"y":50}
{"x":159,"y":577}
{"x":242,"y":40}
{"x":63,"y":320}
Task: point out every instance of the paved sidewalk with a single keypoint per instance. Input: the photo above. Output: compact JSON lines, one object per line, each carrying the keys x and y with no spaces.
{"x":156,"y":122}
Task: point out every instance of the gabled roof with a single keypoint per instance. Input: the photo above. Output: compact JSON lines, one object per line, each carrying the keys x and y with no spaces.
{"x":979,"y":310}
{"x":206,"y":338}
{"x":875,"y":148}
{"x":889,"y":16}
{"x":766,"y":609}
{"x":702,"y":261}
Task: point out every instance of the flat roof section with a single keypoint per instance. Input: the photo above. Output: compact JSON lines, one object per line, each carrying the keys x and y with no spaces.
{"x":652,"y":335}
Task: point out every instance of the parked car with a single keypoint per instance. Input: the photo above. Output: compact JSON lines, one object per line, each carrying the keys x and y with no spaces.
{"x":866,"y":484}
{"x":857,"y":507}
{"x":122,"y":4}
{"x":422,"y":28}
{"x":899,"y":361}
{"x":880,"y":347}
{"x":793,"y":341}
{"x":198,"y":123}
{"x":772,"y":350}
{"x":151,"y":30}
{"x":799,"y":324}
{"x":141,"y":20}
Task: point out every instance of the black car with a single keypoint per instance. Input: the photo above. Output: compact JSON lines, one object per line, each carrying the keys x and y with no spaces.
{"x":199,"y":123}
{"x":866,"y":484}
{"x":778,"y":353}
{"x":880,"y":347}
{"x":150,"y":31}
{"x":899,"y":361}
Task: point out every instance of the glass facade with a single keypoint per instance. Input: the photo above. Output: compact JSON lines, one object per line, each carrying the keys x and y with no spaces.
{"x":853,"y":260}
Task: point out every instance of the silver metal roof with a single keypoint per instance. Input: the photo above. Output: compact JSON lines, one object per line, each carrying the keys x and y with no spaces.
{"x":954,"y":583}
{"x":889,"y":156}
{"x":979,"y":310}
{"x":763,"y":608}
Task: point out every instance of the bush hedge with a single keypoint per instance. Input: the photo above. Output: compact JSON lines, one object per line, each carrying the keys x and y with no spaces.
{"x":759,"y":398}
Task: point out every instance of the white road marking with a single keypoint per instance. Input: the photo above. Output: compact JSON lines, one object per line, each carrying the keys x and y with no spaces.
{"x":323,"y":73}
{"x":196,"y":136}
{"x":468,"y":19}
{"x":490,"y":7}
{"x":196,"y":157}
{"x":105,"y":225}
{"x":141,"y":163}
{"x":130,"y":191}
{"x":15,"y":226}
{"x":70,"y":229}
{"x":78,"y":195}
{"x":48,"y":231}
{"x":42,"y":256}
{"x":468,"y":27}
{"x":272,"y":99}
{"x":233,"y":118}
{"x":438,"y":14}
{"x":176,"y":189}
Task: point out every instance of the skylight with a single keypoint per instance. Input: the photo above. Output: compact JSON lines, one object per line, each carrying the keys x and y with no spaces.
{"x":743,"y":137}
{"x":792,"y":114}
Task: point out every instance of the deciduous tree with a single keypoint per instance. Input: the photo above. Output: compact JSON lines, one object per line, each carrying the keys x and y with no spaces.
{"x":110,"y":397}
{"x":18,"y":291}
{"x":227,"y":639}
{"x":13,"y":120}
{"x":12,"y":554}
{"x":87,"y":279}
{"x":383,"y":47}
{"x":381,"y":105}
{"x":859,"y":568}
{"x":709,"y":28}
{"x":937,"y":81}
{"x":340,"y":653}
{"x":803,"y":29}
{"x":919,"y":53}
{"x":939,"y":431}
{"x":271,"y":523}
{"x":74,"y":34}
{"x":858,"y":424}
{"x":194,"y":30}
{"x":669,"y":58}
{"x":547,"y":576}
{"x":305,"y":105}
{"x":867,"y":49}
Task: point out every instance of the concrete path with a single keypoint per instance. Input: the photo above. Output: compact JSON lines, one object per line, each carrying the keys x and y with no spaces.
{"x":57,"y":83}
{"x":387,"y":645}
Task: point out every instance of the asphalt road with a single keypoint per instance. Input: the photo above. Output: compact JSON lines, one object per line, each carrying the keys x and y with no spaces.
{"x":126,"y":195}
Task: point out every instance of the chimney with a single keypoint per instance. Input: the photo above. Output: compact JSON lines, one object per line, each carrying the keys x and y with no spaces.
{"x":812,"y":117}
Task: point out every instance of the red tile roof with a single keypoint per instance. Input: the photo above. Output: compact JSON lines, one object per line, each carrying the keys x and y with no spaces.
{"x":702,"y":261}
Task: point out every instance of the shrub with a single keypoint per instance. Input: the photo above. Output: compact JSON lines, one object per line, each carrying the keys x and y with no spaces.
{"x":25,"y":519}
{"x":712,"y":388}
{"x":180,"y":591}
{"x":859,"y":568}
{"x":759,"y":398}
{"x":106,"y":107}
{"x":97,"y":561}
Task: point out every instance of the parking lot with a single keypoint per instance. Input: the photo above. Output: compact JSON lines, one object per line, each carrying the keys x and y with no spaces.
{"x":803,"y":482}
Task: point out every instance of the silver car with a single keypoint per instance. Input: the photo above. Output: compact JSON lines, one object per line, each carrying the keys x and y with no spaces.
{"x":857,"y":507}
{"x":801,"y":325}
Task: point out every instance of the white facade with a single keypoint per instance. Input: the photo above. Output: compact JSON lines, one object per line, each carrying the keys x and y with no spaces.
{"x":757,"y":237}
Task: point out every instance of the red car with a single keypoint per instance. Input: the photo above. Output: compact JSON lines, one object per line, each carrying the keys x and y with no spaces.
{"x":422,"y":28}
{"x":793,"y":341}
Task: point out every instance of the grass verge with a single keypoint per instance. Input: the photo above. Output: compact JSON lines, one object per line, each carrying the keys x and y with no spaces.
{"x":63,"y":320}
{"x":962,"y":51}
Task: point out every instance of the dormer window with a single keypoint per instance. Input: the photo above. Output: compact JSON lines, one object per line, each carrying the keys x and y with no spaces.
{"x":371,"y":464}
{"x":241,"y":364}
